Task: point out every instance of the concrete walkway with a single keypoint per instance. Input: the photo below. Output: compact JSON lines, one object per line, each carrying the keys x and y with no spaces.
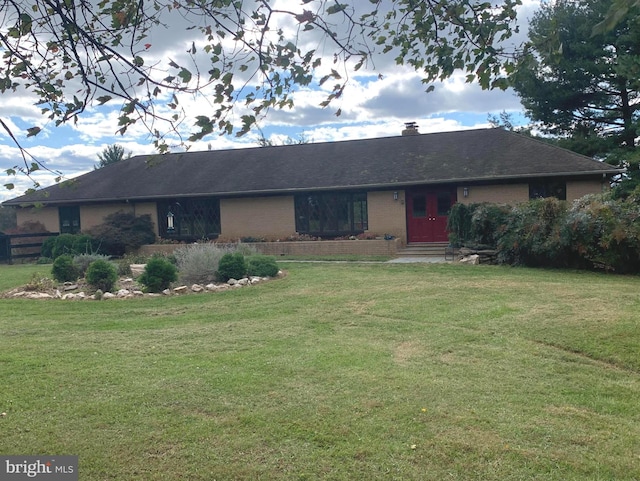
{"x":416,"y":259}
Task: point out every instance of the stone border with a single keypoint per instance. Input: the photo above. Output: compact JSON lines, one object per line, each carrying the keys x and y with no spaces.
{"x":130,"y":289}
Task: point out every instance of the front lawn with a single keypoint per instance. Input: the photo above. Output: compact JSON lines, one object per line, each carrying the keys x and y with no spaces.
{"x":339,"y":371}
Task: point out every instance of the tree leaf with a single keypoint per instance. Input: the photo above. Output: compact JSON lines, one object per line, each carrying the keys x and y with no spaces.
{"x":32,"y":131}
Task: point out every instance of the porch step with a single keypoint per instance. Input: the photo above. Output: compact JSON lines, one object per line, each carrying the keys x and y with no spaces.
{"x":423,"y":249}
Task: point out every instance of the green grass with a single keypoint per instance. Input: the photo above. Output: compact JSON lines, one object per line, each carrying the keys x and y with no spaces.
{"x":338,"y":371}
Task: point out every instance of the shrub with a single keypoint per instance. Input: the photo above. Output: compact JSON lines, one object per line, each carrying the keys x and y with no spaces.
{"x":124,"y":230}
{"x":262,"y":266}
{"x":605,"y":232}
{"x":63,"y":269}
{"x":533,"y":235}
{"x":124,"y":267}
{"x":71,"y":244}
{"x":39,"y":283}
{"x":158,"y":274}
{"x":459,"y":223}
{"x":198,"y":263}
{"x":63,"y":245}
{"x":83,"y":261}
{"x":232,"y":266}
{"x":101,"y":275}
{"x":46,"y":250}
{"x":477,"y":225}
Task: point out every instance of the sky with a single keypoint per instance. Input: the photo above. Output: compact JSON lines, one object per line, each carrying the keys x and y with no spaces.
{"x":374,"y":104}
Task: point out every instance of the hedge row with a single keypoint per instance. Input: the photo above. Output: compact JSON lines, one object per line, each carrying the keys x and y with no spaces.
{"x":596,"y":231}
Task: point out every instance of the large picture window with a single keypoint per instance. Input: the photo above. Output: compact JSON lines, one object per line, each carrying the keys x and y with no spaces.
{"x":331,"y":213}
{"x":548,"y":188}
{"x":192,"y":219}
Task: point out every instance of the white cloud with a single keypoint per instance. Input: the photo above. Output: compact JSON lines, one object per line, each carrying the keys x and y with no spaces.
{"x":371,"y":106}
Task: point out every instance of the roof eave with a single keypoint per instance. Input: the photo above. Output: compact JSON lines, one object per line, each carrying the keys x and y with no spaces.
{"x":295,"y":190}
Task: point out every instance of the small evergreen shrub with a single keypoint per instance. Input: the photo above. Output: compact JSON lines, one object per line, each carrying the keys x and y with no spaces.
{"x":231,"y":266}
{"x":83,"y":261}
{"x":262,"y":266}
{"x":158,"y":274}
{"x":101,"y":275}
{"x":63,"y":269}
{"x":72,"y":244}
{"x":48,"y":244}
{"x":63,"y":245}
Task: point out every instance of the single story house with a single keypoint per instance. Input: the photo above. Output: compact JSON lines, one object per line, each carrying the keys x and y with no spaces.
{"x":402,"y":186}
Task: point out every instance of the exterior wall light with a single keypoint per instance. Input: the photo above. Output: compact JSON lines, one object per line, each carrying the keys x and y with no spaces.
{"x":465,"y":191}
{"x":170,"y":226}
{"x":395,"y":195}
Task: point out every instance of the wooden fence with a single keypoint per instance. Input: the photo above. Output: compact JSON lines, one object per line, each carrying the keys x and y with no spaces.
{"x":21,"y":246}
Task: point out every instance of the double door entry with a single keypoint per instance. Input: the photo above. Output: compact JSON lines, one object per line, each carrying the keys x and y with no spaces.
{"x":428,"y":213}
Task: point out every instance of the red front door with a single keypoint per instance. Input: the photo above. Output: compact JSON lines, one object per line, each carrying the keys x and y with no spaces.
{"x":427,"y":215}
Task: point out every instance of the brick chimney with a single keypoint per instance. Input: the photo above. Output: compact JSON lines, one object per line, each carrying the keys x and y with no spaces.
{"x":410,"y":128}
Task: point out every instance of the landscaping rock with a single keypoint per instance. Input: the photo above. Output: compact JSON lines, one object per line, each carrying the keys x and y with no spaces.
{"x":128,"y":289}
{"x":137,"y":269}
{"x":39,"y":295}
{"x":473,"y":259}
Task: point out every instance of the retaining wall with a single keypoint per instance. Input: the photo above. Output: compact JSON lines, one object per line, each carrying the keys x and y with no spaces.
{"x":305,"y":248}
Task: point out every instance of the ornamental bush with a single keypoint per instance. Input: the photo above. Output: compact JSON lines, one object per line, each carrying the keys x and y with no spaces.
{"x":63,"y":269}
{"x":231,"y":266}
{"x":83,"y":261}
{"x":594,"y":232}
{"x":124,"y":230}
{"x":198,"y":263}
{"x":71,"y":244}
{"x":262,"y":266}
{"x":102,"y":275}
{"x":477,"y":225}
{"x":158,"y":274}
{"x":605,"y":232}
{"x":532,"y":235}
{"x":46,"y":251}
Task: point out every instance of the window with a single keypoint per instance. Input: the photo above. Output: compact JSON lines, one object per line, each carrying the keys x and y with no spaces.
{"x":69,"y":219}
{"x":419,"y":203}
{"x":193,"y":219}
{"x":331,"y":213}
{"x":444,"y":203}
{"x":548,"y":188}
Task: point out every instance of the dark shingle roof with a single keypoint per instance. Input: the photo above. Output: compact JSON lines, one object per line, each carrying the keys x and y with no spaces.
{"x":462,"y":156}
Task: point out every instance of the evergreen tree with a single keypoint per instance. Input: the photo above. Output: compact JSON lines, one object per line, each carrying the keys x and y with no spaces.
{"x":581,"y":86}
{"x":111,"y":155}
